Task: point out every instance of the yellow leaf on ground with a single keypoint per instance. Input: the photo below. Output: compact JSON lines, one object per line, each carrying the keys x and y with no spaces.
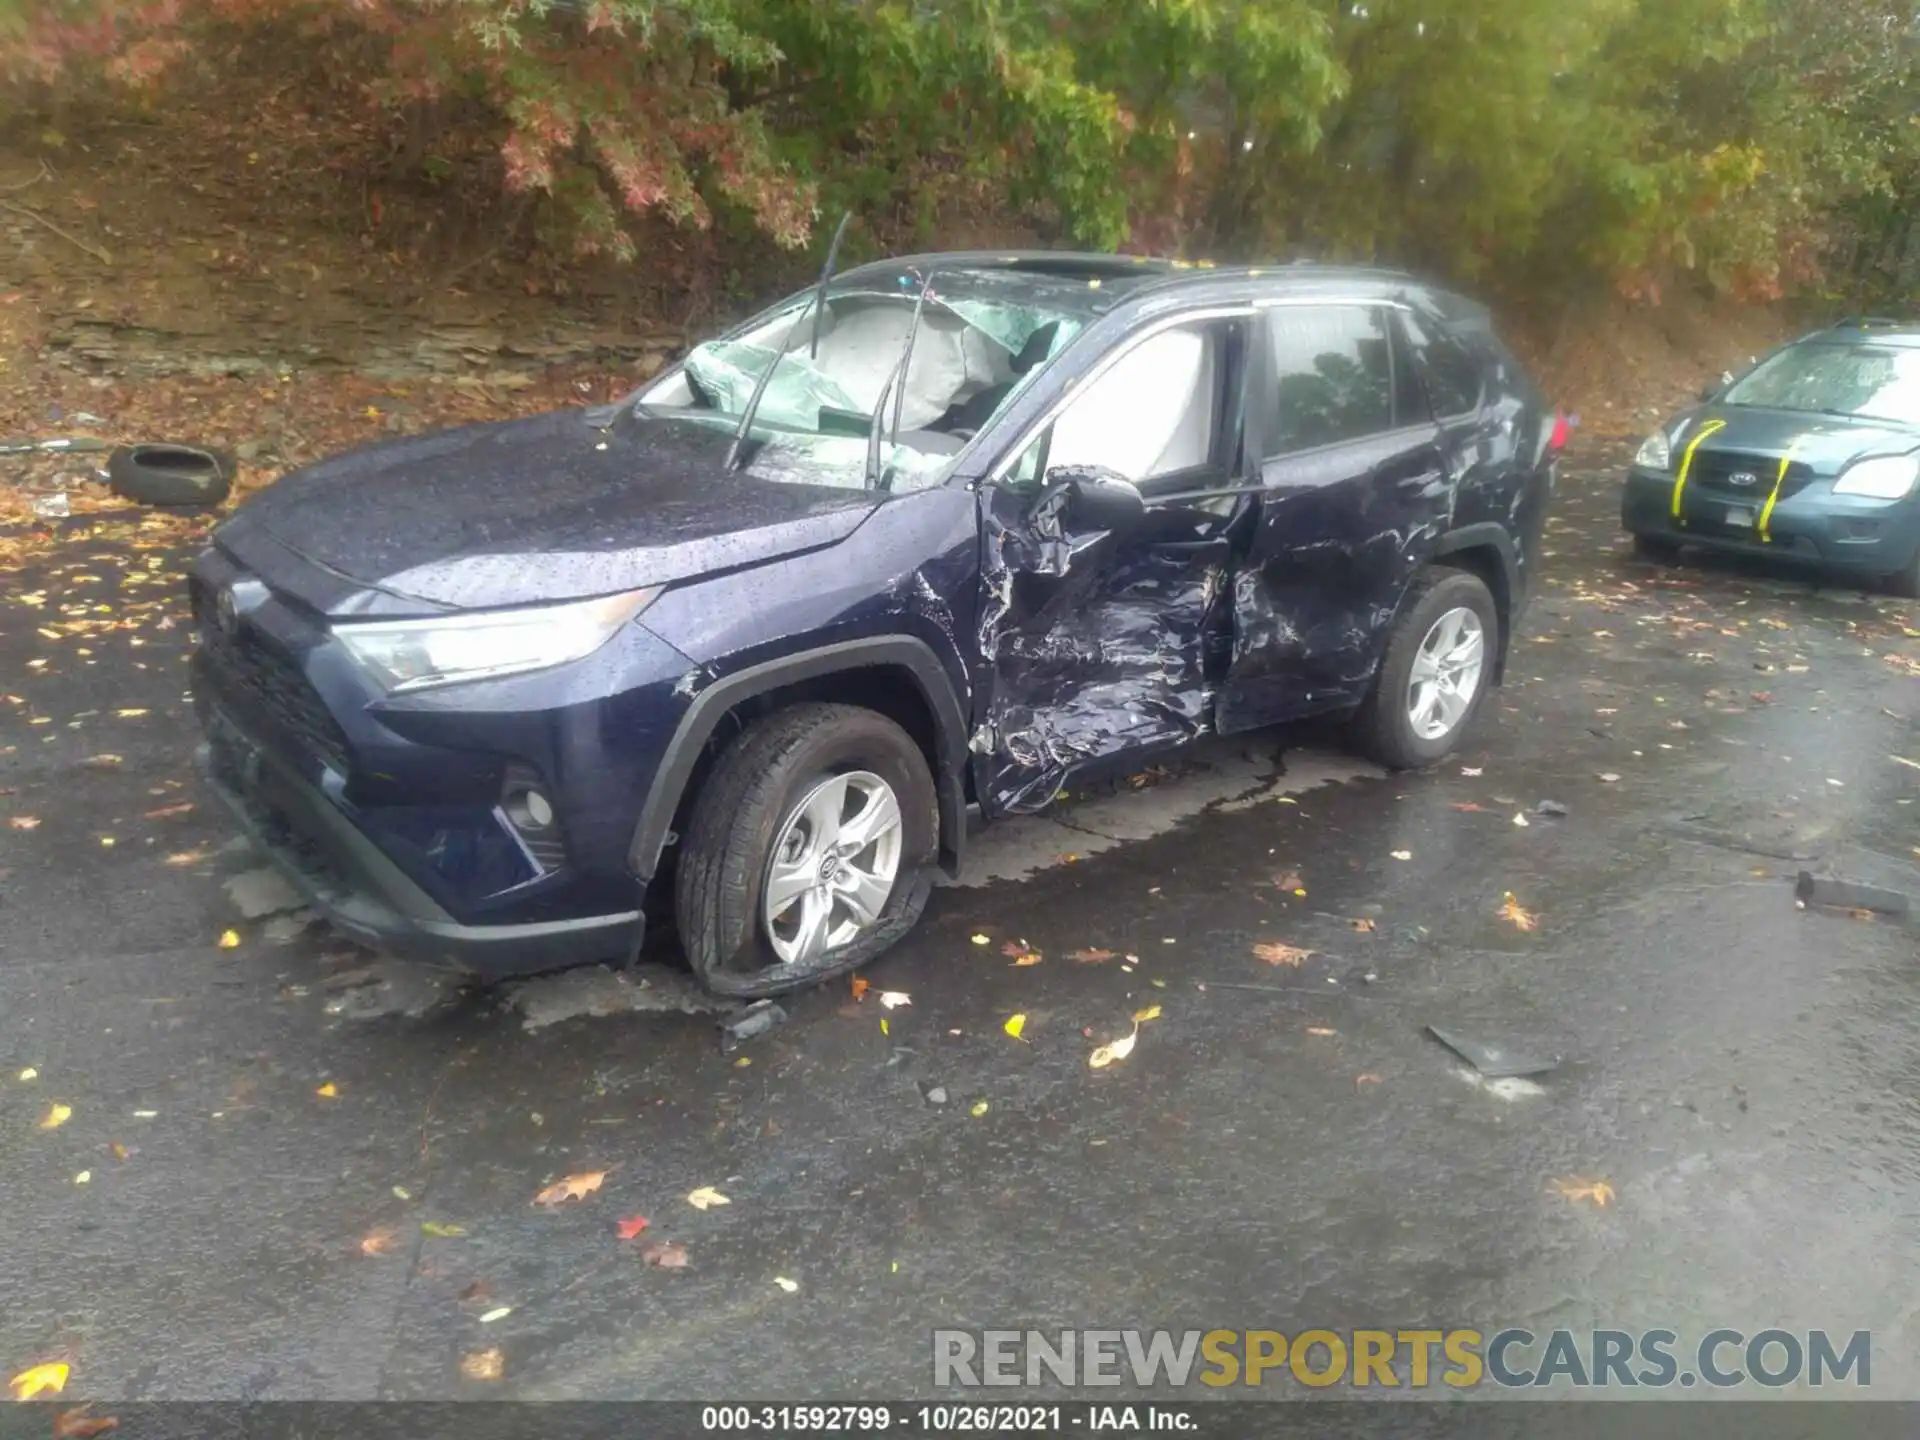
{"x":1092,"y":957}
{"x":230,"y":940}
{"x":1522,"y":919}
{"x":572,"y":1187}
{"x":51,"y":1377}
{"x":1274,"y":953}
{"x":1576,"y":1189}
{"x":57,"y":1116}
{"x":328,"y":1091}
{"x":1027,"y":957}
{"x":1152,"y":1012}
{"x":705,"y":1197}
{"x":1015,"y":1024}
{"x":1118,"y":1050}
{"x":483,"y":1365}
{"x":24,"y":822}
{"x":982,"y":940}
{"x":980,"y":1108}
{"x":1402,"y":854}
{"x":378,"y":1242}
{"x":1320,"y":1030}
{"x":785,"y":1284}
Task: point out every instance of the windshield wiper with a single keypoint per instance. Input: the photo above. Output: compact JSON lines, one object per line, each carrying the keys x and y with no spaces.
{"x":813,"y":307}
{"x":896,"y":386}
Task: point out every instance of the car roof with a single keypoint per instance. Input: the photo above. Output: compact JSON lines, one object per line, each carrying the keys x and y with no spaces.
{"x":1102,"y":280}
{"x":1875,"y":329}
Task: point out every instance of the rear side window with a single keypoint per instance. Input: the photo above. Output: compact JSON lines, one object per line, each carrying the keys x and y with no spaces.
{"x":1452,"y":372}
{"x":1333,"y":373}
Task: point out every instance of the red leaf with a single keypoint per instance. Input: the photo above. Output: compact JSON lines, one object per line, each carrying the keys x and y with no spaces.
{"x":631,"y":1227}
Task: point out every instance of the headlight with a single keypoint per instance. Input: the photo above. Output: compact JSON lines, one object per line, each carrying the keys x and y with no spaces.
{"x":1886,"y":477}
{"x":1654,"y":452}
{"x":413,"y":654}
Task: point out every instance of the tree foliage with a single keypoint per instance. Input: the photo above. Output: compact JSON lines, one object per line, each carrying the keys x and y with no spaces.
{"x":1760,"y":144}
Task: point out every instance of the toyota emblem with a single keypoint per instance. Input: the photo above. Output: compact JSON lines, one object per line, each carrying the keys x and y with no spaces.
{"x":1743,"y":478}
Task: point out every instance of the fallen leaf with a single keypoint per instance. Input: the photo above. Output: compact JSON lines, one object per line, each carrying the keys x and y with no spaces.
{"x":1366,"y":1077}
{"x":1288,"y":880}
{"x":85,"y":1177}
{"x":1027,"y":957}
{"x":442,"y":1232}
{"x":1275,"y":953}
{"x":1469,"y":807}
{"x":50,"y":1377}
{"x":24,"y":822}
{"x":483,"y":1364}
{"x":1152,"y":1012}
{"x":1903,"y":760}
{"x":980,"y":1107}
{"x":1320,"y":1030}
{"x":377,"y":1242}
{"x":573,"y":1187}
{"x":861,"y":986}
{"x":1608,"y":778}
{"x":186,"y":857}
{"x":165,"y":810}
{"x":1363,"y":924}
{"x":1119,"y":1049}
{"x":630,"y":1228}
{"x":1402,"y":854}
{"x":57,"y":1115}
{"x":1092,"y":957}
{"x":1576,"y":1189}
{"x":29,"y":1073}
{"x":129,"y":714}
{"x":101,"y":761}
{"x":229,"y":939}
{"x":894,"y":999}
{"x":1015,"y":1024}
{"x":120,"y":1152}
{"x":1522,"y":821}
{"x":785,"y":1284}
{"x":1522,"y":920}
{"x":982,"y":940}
{"x":883,"y":1026}
{"x":666,"y":1255}
{"x":1472,"y":771}
{"x":328,"y":1091}
{"x":705,"y":1196}
{"x":77,"y":1424}
{"x":499,"y":1312}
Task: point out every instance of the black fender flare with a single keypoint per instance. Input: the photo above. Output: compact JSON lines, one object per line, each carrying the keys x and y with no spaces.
{"x":1487,"y":535}
{"x":895,"y":652}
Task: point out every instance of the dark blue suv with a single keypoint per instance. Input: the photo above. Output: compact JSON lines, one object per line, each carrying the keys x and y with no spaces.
{"x":949,"y":531}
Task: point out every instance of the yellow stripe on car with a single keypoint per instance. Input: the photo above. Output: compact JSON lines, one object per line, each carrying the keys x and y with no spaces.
{"x":1686,"y":464}
{"x":1766,"y":512}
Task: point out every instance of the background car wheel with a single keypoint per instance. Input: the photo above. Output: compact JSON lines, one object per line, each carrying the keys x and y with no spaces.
{"x":170,"y":474}
{"x":810,"y":851}
{"x":1659,"y":551}
{"x":1438,"y":664}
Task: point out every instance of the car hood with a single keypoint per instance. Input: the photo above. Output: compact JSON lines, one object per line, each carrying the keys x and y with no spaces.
{"x":1826,"y":444}
{"x":518,"y":512}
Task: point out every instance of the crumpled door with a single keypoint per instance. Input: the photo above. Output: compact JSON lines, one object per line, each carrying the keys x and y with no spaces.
{"x":1096,"y":645}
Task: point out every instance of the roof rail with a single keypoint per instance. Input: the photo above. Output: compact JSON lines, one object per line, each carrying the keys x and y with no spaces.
{"x":1873,"y":322}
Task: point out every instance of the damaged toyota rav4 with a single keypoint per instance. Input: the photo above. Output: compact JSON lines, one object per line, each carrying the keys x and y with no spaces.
{"x":741,"y":653}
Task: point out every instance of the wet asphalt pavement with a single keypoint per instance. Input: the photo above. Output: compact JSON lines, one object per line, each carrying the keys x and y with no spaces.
{"x":304,"y":1178}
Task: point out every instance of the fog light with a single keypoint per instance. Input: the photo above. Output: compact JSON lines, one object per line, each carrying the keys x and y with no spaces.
{"x":529,"y":810}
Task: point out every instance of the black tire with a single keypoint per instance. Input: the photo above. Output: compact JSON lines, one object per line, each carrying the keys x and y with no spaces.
{"x":1383,"y":729}
{"x":742,"y":808}
{"x":1905,"y":583}
{"x":1657,"y":549}
{"x":170,"y":474}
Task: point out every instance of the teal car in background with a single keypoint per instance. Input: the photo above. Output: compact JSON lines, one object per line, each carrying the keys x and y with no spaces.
{"x":1812,"y":455}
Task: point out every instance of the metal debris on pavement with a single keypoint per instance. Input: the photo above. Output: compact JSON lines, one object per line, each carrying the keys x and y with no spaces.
{"x":756,"y":1020}
{"x":1495,"y":1062}
{"x":1810,"y":889}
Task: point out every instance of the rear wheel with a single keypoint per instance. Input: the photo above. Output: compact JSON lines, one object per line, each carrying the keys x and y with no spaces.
{"x":1438,"y":664}
{"x":1658,"y":549}
{"x":810,"y":851}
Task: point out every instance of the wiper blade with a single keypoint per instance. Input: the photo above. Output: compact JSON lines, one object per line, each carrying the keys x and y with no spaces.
{"x":813,"y":308}
{"x":896,"y":386}
{"x":820,"y":291}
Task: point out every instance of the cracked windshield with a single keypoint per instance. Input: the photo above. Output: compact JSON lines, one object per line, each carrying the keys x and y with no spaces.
{"x":972,"y":716}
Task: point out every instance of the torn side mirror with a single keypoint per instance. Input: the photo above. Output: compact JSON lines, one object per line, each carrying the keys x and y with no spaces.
{"x":1093,"y":498}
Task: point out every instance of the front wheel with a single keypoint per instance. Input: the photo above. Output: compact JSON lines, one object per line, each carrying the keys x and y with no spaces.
{"x":1437,"y":666}
{"x":810,"y":851}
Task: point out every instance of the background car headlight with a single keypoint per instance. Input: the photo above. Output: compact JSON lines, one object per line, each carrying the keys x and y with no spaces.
{"x":1886,"y":477}
{"x":1654,"y":452}
{"x":413,"y":654}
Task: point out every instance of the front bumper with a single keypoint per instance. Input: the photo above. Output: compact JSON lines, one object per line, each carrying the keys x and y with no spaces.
{"x":1853,"y":534}
{"x":365,"y":895}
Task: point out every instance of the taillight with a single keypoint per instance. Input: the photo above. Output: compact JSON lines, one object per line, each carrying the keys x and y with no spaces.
{"x":1562,"y":432}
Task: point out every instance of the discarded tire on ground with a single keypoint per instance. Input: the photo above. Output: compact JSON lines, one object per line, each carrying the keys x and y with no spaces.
{"x":162,"y":474}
